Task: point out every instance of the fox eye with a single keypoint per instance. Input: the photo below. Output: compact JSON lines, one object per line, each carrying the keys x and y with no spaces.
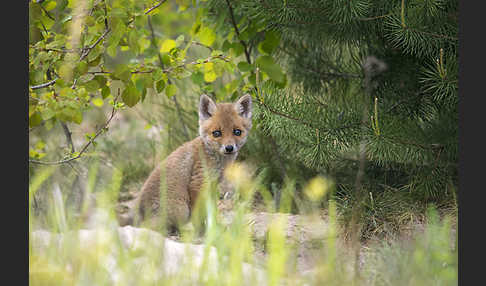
{"x":217,"y":133}
{"x":237,"y":132}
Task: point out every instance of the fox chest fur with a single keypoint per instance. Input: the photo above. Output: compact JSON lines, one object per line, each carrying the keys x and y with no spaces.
{"x":223,"y":130}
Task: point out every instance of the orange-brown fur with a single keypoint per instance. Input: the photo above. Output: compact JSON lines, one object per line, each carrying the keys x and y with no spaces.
{"x":185,"y":167}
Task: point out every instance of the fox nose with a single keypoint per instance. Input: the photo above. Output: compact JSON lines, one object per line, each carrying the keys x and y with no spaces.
{"x":228,"y":148}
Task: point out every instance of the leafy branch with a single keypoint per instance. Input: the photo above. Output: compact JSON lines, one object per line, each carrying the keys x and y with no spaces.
{"x":174,"y":98}
{"x":103,"y":129}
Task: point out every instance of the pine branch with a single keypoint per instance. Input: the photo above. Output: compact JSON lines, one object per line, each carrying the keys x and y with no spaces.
{"x":323,"y":73}
{"x":432,"y":34}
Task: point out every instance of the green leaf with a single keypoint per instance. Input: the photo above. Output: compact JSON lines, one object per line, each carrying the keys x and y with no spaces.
{"x":196,"y":27}
{"x":48,"y":113}
{"x":133,"y":41}
{"x":70,"y":114}
{"x":81,"y":69}
{"x":130,"y":95}
{"x":56,"y":43}
{"x":248,"y":32}
{"x":210,"y":76}
{"x":89,"y":136}
{"x":77,"y":116}
{"x":244,"y":66}
{"x":100,"y":79}
{"x":209,"y":73}
{"x":36,"y":155}
{"x":94,"y":58}
{"x":252,"y":79}
{"x":142,"y":96}
{"x":112,"y":49}
{"x":50,"y":5}
{"x":66,"y":92}
{"x":216,"y":53}
{"x":98,"y":102}
{"x":197,"y":78}
{"x":238,"y":49}
{"x":232,"y":86}
{"x":65,"y":72}
{"x":144,"y":44}
{"x":167,"y":45}
{"x":35,"y":119}
{"x":66,"y":19}
{"x":118,"y":30}
{"x":283,"y":83}
{"x":49,"y":124}
{"x":157,"y":74}
{"x":160,"y":85}
{"x":92,"y":86}
{"x":121,"y":72}
{"x":267,"y":64}
{"x":105,"y":91}
{"x":40,"y":145}
{"x":207,"y":36}
{"x":272,"y":39}
{"x":170,"y":90}
{"x":179,"y":40}
{"x":166,"y":59}
{"x":226,"y":46}
{"x":140,"y":83}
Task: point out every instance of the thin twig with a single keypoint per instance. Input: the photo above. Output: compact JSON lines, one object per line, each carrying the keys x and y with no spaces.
{"x":202,"y":45}
{"x":49,"y":83}
{"x":68,"y":133}
{"x":85,"y":147}
{"x":106,"y":16}
{"x":47,"y":13}
{"x":155,"y":7}
{"x":74,"y":83}
{"x":233,"y":21}
{"x":59,"y":50}
{"x":85,"y":51}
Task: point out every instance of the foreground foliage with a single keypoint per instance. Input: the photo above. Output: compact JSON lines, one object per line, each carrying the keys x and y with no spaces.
{"x":64,"y":251}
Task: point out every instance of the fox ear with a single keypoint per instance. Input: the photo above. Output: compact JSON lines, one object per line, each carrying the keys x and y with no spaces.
{"x":207,"y":107}
{"x":243,"y":106}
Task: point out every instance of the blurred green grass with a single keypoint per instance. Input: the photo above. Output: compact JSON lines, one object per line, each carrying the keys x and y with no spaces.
{"x":62,"y":251}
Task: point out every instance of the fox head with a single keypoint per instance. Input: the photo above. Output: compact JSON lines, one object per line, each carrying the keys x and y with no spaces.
{"x":224,"y":127}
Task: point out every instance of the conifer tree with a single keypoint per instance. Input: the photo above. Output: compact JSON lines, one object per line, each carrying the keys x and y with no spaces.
{"x":315,"y":111}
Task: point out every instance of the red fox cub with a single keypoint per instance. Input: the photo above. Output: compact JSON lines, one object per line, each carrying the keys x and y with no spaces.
{"x":223,"y":130}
